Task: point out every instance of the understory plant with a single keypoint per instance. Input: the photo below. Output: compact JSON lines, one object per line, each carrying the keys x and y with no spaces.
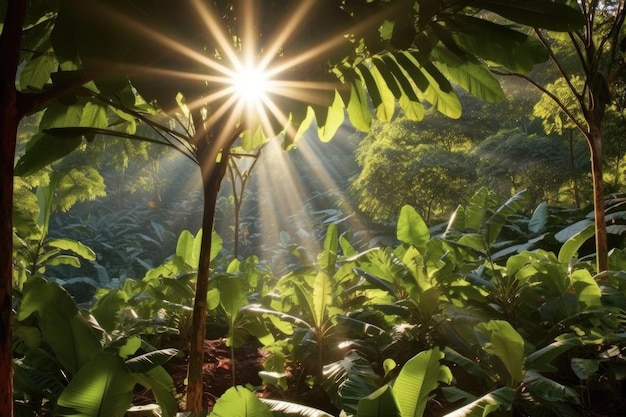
{"x":66,"y":364}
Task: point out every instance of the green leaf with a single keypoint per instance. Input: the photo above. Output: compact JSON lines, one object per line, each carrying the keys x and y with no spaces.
{"x":498,"y":219}
{"x":94,"y":115}
{"x":474,"y":77}
{"x":551,"y":15}
{"x":334,"y":119}
{"x":63,"y":260}
{"x":370,"y":84}
{"x":412,"y":229}
{"x":588,"y":291}
{"x":232,"y":295}
{"x":585,"y":368}
{"x":385,"y":110}
{"x":36,"y":72}
{"x":293,"y":409}
{"x":499,"y":399}
{"x":148,"y":361}
{"x":476,"y":209}
{"x":185,"y":248}
{"x":44,"y":149}
{"x":381,"y":402}
{"x":358,"y":107}
{"x":131,"y":346}
{"x":162,"y":386}
{"x":541,"y":359}
{"x":72,"y":245}
{"x":417,"y":379}
{"x":239,"y":402}
{"x":508,"y":345}
{"x":439,"y":92}
{"x":349,"y":380}
{"x":216,"y":244}
{"x":103,"y":387}
{"x":497,"y":44}
{"x":106,"y":308}
{"x":322,"y":298}
{"x":327,"y":259}
{"x":571,"y":246}
{"x":539,"y":218}
{"x":549,"y":389}
{"x":69,"y":335}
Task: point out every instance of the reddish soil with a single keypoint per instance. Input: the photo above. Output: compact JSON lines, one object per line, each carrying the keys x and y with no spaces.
{"x":217,"y":369}
{"x":217,"y":377}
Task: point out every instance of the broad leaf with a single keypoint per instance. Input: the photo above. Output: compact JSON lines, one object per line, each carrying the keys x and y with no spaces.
{"x":44,"y":149}
{"x":412,"y":229}
{"x":64,"y":329}
{"x":162,"y":386}
{"x":551,"y":15}
{"x":74,"y":246}
{"x":285,"y":408}
{"x":587,"y":289}
{"x":507,"y":344}
{"x":570,"y":248}
{"x":322,"y":298}
{"x":417,"y":379}
{"x":381,"y":402}
{"x":239,"y":402}
{"x":500,"y":399}
{"x":102,"y":388}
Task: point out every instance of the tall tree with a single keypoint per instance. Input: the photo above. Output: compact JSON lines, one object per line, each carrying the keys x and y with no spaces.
{"x":587,"y":87}
{"x":84,"y":62}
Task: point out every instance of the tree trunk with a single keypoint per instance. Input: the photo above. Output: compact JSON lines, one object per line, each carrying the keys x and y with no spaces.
{"x":594,"y":139}
{"x":10,"y":116}
{"x":213,"y":169}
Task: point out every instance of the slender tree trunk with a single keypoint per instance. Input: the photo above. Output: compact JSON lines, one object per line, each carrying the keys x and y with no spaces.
{"x":572,"y":168}
{"x":213,"y":169}
{"x":10,"y":116}
{"x":595,"y":146}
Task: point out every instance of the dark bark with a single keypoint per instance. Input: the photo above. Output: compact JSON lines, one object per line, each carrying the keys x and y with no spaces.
{"x":10,"y":116}
{"x":213,"y":168}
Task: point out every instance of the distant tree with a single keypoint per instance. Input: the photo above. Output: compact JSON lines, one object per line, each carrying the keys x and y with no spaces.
{"x":403,"y":164}
{"x":590,"y":75}
{"x":512,"y":160}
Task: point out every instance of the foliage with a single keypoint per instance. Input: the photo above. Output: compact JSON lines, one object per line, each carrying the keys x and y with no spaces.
{"x":402,"y":164}
{"x":62,"y":367}
{"x":514,"y":160}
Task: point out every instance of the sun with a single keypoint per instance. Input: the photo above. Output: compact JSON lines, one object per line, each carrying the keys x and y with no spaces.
{"x":250,"y":84}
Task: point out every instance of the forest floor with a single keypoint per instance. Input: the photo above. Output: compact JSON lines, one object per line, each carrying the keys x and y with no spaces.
{"x":217,"y":377}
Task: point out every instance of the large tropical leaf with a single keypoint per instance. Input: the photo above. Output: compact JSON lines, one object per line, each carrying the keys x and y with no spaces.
{"x":239,"y":402}
{"x":286,"y":409}
{"x":417,"y":379}
{"x":69,"y":335}
{"x":499,"y":399}
{"x":44,"y":149}
{"x":551,"y":15}
{"x":103,"y":387}
{"x":471,"y":75}
{"x":349,"y":380}
{"x":381,"y":402}
{"x":571,"y":246}
{"x":549,"y":389}
{"x":412,"y":229}
{"x":508,"y":345}
{"x":322,"y":298}
{"x":160,"y":382}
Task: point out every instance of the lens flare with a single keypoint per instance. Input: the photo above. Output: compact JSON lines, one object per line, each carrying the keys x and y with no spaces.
{"x":251,"y":84}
